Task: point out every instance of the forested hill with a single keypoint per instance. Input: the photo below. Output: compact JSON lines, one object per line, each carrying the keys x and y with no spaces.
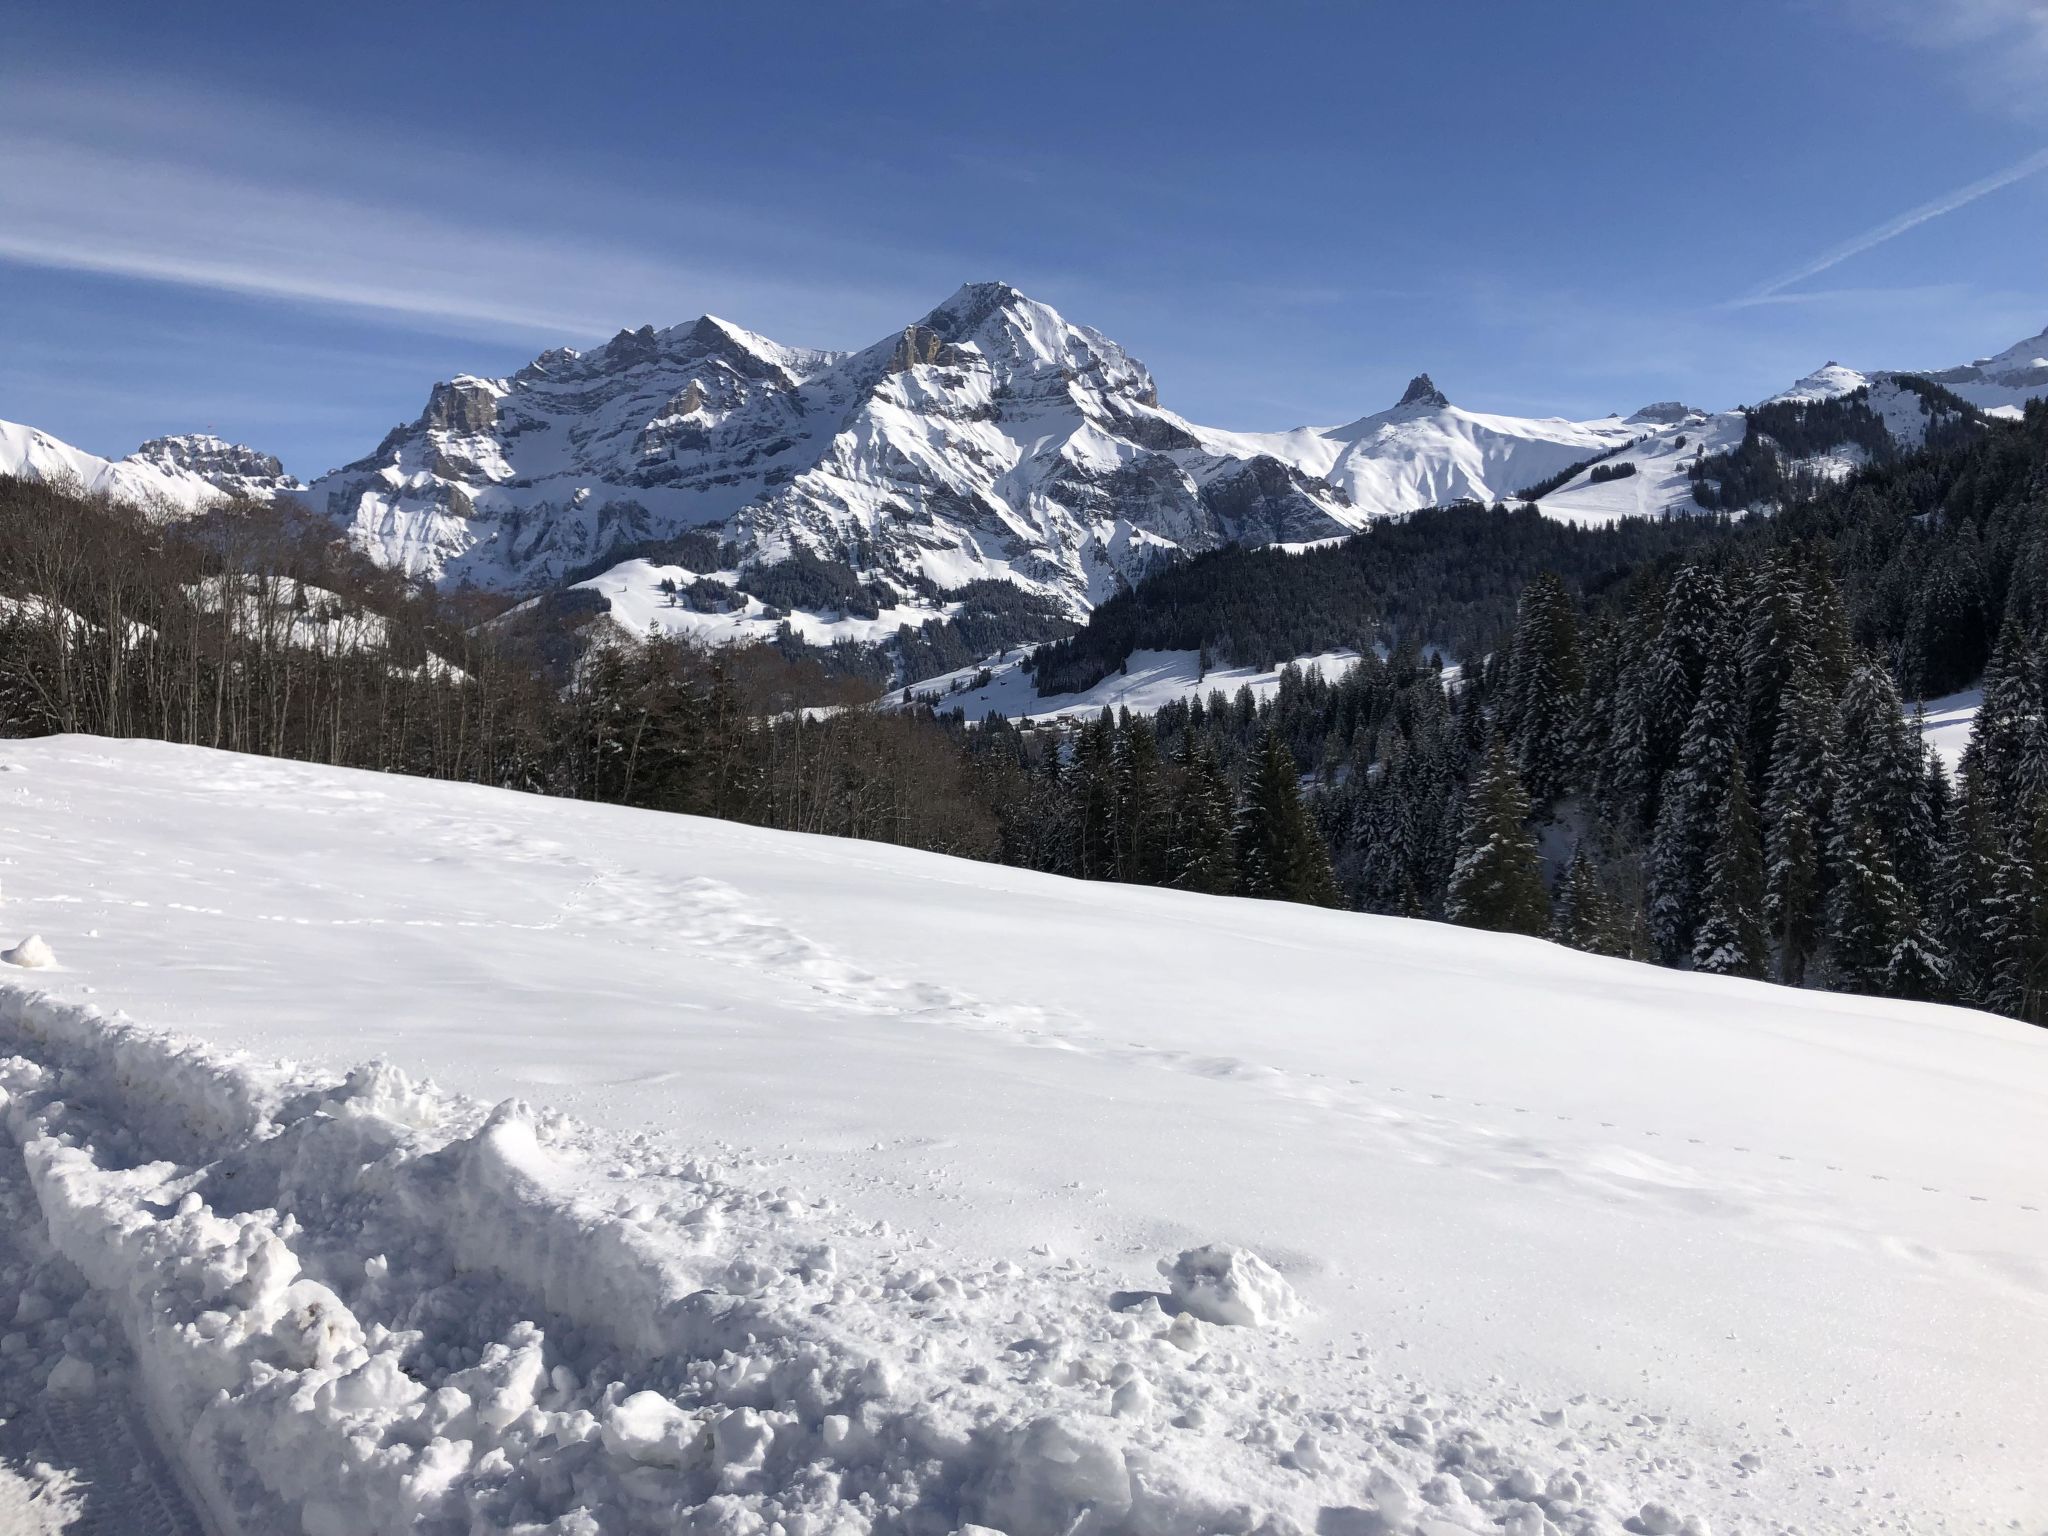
{"x":1926,"y":544}
{"x":1448,"y":578}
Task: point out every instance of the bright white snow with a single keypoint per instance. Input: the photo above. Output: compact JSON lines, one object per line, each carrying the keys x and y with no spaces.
{"x":1946,"y":724}
{"x":1149,"y":680}
{"x":864,"y":1162}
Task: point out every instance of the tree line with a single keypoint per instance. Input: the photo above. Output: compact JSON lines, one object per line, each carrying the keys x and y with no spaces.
{"x":1693,"y":749}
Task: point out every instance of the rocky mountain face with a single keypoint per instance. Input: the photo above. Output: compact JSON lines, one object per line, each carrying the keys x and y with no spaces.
{"x":176,"y":476}
{"x":231,"y":467}
{"x":990,"y":437}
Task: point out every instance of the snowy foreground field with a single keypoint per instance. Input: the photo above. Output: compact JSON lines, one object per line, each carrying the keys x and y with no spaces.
{"x":828,"y":1188}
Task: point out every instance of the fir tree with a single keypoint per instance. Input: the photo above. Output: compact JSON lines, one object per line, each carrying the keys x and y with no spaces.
{"x":1280,"y":855}
{"x":1497,"y":882}
{"x":1583,"y":916}
{"x":1965,"y":883}
{"x":1540,"y":704}
{"x":2016,"y":924}
{"x":1691,"y":803}
{"x":1796,"y":795}
{"x":1202,"y":852}
{"x":1141,"y":812}
{"x":1730,"y":940}
{"x":1869,"y":910}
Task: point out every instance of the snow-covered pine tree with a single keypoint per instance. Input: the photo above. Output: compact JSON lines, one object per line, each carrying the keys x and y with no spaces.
{"x":1691,"y":638}
{"x":2016,"y":924}
{"x":1091,"y":790}
{"x":1965,"y":882}
{"x":1689,"y":812}
{"x":1540,"y":706}
{"x":1280,"y":855}
{"x":1796,"y":797}
{"x":1730,"y":940}
{"x":2011,"y":731}
{"x":1497,"y":882}
{"x":1202,"y":853}
{"x":1869,"y":910}
{"x":1775,"y":649}
{"x":1883,"y":776}
{"x":1379,"y":832}
{"x":1141,"y":812}
{"x":1582,"y":915}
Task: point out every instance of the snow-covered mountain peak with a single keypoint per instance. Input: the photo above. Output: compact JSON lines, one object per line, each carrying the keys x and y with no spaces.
{"x":1017,"y":334}
{"x":2005,"y":381}
{"x":233,"y":467}
{"x":1422,"y":391}
{"x":1828,"y":382}
{"x":166,"y":475}
{"x":1664,"y":413}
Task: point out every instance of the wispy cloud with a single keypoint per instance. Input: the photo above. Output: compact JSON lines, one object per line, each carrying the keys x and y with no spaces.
{"x":1891,"y":229}
{"x":2000,"y":47}
{"x":249,"y":199}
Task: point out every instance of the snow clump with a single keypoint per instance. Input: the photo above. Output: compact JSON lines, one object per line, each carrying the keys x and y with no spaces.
{"x":1229,"y":1285}
{"x":31,"y":954}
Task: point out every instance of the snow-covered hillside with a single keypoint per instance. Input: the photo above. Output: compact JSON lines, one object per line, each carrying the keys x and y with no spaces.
{"x":1150,"y":679}
{"x":849,"y":1172}
{"x":168,"y":474}
{"x":2004,"y":382}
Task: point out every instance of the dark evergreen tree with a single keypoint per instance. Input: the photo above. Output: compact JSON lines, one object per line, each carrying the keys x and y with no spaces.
{"x":1202,"y":853}
{"x":1497,"y":882}
{"x":2016,"y":923}
{"x":1280,"y":857}
{"x":1540,"y":707}
{"x":1583,"y":916}
{"x":1730,"y":940}
{"x":1869,"y":911}
{"x":1796,"y":797}
{"x":1691,"y":801}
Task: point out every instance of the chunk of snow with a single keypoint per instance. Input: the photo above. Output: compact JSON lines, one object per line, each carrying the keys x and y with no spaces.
{"x":1229,"y":1285}
{"x":30,"y":954}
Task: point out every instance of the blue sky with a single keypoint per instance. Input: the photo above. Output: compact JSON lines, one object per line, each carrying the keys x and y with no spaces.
{"x":284,"y":222}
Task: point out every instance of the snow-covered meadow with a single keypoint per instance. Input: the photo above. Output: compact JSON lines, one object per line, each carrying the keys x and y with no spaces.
{"x":715,"y":1179}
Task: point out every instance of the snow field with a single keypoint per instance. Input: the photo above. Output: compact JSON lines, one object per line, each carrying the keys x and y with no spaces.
{"x":1565,"y":1232}
{"x":1149,"y":680}
{"x":368,"y":1305}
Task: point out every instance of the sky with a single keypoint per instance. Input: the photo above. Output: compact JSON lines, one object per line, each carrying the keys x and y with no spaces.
{"x":284,"y":223}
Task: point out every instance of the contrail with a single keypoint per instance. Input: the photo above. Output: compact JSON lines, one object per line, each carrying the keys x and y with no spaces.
{"x":1948,"y":202}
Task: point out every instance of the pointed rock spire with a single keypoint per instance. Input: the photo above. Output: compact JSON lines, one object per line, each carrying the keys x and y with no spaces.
{"x":1422,"y":390}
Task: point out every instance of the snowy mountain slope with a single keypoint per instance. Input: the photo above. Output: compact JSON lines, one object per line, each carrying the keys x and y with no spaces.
{"x":1426,"y":452}
{"x":174,"y":474}
{"x":989,"y":438}
{"x":2002,"y":383}
{"x":639,"y":605}
{"x":1149,"y":680}
{"x":867,"y":1160}
{"x":1658,"y":470}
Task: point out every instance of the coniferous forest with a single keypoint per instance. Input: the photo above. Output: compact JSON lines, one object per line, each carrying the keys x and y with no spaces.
{"x":1685,"y":742}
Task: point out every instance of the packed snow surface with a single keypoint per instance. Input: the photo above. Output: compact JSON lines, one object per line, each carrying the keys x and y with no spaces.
{"x":468,"y":1161}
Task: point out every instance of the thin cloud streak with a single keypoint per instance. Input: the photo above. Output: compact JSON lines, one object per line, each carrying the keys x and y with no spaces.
{"x":1890,"y":230}
{"x":371,"y":238}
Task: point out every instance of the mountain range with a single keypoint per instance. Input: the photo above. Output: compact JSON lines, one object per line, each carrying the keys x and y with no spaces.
{"x":990,"y":438}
